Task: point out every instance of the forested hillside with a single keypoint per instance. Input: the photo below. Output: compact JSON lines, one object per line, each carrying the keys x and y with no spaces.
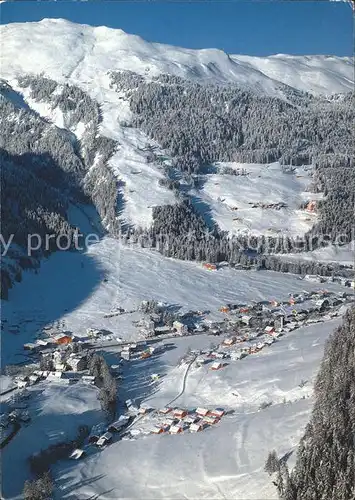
{"x":44,"y":168}
{"x":210,"y":123}
{"x":325,"y":466}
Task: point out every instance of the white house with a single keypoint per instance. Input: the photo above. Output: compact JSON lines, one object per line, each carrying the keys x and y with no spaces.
{"x":246,"y":320}
{"x":229,"y":341}
{"x":33,"y":379}
{"x":22,"y":383}
{"x":217,"y":412}
{"x":192,"y":419}
{"x":76,"y":454}
{"x":180,"y":327}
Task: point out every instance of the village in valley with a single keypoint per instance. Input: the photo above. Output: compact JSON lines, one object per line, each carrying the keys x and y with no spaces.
{"x":64,"y":358}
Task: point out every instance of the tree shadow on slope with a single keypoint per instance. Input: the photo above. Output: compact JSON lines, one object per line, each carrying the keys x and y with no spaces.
{"x":46,"y":428}
{"x":64,"y":281}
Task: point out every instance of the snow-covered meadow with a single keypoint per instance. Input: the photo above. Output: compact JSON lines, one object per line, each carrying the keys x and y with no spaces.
{"x":79,"y":289}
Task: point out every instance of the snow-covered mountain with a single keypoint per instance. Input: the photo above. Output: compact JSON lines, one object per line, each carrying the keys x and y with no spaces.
{"x":77,"y":144}
{"x":67,"y":51}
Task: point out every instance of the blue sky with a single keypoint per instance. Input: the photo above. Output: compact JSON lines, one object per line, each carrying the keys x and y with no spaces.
{"x":254,"y":28}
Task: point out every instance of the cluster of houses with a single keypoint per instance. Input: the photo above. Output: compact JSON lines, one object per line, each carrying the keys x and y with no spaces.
{"x":169,"y":420}
{"x":249,"y":333}
{"x":178,"y":420}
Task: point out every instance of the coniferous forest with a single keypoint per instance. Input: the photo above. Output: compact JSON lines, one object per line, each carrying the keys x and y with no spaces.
{"x":325,"y":464}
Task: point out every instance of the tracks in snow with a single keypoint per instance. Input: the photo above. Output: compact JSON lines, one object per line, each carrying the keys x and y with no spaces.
{"x":183,"y":382}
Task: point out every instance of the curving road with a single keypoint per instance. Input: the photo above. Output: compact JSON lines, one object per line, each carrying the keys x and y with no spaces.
{"x":183,"y":382}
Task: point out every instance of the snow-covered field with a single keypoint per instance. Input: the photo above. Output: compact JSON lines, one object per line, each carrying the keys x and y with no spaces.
{"x":226,"y":460}
{"x":231,"y":197}
{"x":344,"y":254}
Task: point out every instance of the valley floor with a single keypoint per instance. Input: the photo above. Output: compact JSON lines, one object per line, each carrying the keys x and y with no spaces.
{"x":74,"y":291}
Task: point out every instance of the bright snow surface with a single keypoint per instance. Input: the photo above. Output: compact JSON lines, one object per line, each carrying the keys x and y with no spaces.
{"x":231,"y":198}
{"x":225,"y":461}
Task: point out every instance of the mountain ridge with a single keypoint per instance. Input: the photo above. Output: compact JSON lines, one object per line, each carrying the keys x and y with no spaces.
{"x":113,"y":49}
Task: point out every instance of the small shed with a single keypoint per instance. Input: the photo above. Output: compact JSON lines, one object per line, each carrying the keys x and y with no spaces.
{"x":77,"y":364}
{"x":104,"y":439}
{"x":216,"y":365}
{"x":76,"y":454}
{"x":270,"y":330}
{"x":88,"y":379}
